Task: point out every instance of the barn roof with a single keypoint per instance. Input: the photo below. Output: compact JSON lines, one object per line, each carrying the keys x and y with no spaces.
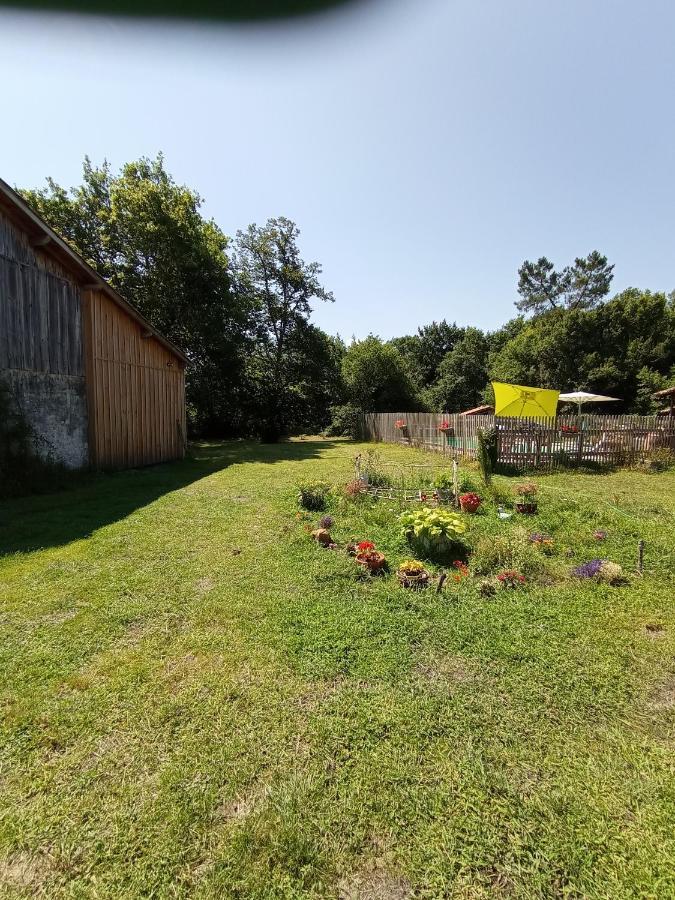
{"x":48,"y":241}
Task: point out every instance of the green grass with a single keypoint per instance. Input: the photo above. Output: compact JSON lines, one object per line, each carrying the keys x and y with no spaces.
{"x":199,"y":702}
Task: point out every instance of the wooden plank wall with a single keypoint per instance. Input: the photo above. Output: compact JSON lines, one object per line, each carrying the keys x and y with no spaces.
{"x":136,"y":390}
{"x":41,"y":353}
{"x":40,"y":321}
{"x":523,"y":443}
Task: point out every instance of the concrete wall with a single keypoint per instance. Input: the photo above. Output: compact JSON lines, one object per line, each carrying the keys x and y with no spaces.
{"x":41,"y":354}
{"x":56,"y":409}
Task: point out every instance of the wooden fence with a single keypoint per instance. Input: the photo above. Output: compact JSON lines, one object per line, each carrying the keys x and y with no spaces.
{"x":527,"y":443}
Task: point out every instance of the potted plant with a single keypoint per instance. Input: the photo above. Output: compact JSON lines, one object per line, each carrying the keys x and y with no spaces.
{"x":401,"y":425}
{"x":370,"y":558}
{"x":446,"y":429}
{"x":469,"y":502}
{"x":435,"y":533}
{"x":527,"y":503}
{"x":412,"y":574}
{"x":322,"y":536}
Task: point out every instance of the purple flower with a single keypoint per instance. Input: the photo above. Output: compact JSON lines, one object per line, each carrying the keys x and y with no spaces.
{"x":326,"y":522}
{"x":588,"y":570}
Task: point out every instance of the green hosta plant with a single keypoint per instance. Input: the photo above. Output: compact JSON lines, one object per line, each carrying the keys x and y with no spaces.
{"x":433,"y":532}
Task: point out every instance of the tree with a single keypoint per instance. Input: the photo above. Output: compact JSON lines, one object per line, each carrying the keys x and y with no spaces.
{"x":648,"y":382}
{"x":145,"y":234}
{"x":580,"y":286}
{"x":425,"y":350}
{"x":279,"y":286}
{"x":462,"y":375}
{"x":376,"y":378}
{"x":600,"y":350}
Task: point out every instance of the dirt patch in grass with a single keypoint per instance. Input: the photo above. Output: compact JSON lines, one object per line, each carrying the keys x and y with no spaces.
{"x":58,"y":617}
{"x":238,"y":808}
{"x":501,"y":885}
{"x":204,"y":585}
{"x":654,"y":631}
{"x":22,"y":871}
{"x":318,"y":692}
{"x":242,"y":805}
{"x":664,"y":696}
{"x":447,"y":669}
{"x":380,"y":884}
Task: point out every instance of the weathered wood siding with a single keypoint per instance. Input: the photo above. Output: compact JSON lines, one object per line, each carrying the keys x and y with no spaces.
{"x":41,"y":354}
{"x":136,"y":390}
{"x":526,"y":443}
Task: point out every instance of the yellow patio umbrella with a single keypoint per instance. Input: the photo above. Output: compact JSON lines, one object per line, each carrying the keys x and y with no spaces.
{"x":517,"y":400}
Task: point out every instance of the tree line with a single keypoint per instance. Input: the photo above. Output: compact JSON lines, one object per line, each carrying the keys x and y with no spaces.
{"x":240,"y":309}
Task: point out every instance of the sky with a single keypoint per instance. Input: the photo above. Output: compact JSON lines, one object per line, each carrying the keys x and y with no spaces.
{"x":425,"y":148}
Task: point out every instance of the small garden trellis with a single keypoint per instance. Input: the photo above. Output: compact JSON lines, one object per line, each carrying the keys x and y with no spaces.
{"x":399,"y":487}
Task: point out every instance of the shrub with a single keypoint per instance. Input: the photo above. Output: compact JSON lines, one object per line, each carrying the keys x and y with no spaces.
{"x":612,"y":573}
{"x":346,"y":421}
{"x":467,"y":484}
{"x":511,"y":550}
{"x":355,"y":488}
{"x":487,"y":589}
{"x":373,"y":470}
{"x":501,"y":495}
{"x":443,"y":481}
{"x":659,"y":460}
{"x":487,"y":452}
{"x":312,"y":495}
{"x":434,"y":532}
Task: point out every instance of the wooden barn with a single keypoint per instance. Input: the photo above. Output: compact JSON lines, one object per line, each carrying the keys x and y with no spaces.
{"x":98,"y":385}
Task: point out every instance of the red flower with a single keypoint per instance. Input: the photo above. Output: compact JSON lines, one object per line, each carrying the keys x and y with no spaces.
{"x":444,"y":426}
{"x":462,"y":570}
{"x":510,"y":578}
{"x":365,"y":545}
{"x":469,"y":501}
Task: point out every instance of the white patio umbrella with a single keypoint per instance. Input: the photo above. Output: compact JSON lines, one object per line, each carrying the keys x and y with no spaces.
{"x":581,"y":397}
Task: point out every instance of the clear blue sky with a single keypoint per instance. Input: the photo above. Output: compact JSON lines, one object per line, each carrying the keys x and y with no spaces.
{"x":424,"y":147}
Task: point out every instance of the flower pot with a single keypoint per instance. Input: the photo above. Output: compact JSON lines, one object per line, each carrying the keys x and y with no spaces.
{"x":468,"y":506}
{"x":373,"y":560}
{"x":526,"y":507}
{"x":322,"y":536}
{"x":413,"y":581}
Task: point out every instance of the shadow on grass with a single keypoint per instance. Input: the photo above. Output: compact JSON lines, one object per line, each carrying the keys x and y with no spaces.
{"x":95,"y":500}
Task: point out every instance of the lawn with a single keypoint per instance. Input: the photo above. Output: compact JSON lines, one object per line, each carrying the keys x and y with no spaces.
{"x":198,"y":701}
